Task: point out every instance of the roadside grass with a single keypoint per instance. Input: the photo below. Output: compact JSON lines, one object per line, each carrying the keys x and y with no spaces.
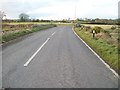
{"x":13,"y":35}
{"x":107,"y":52}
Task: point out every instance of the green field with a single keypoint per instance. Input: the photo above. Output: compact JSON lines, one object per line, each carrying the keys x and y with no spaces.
{"x":104,"y":44}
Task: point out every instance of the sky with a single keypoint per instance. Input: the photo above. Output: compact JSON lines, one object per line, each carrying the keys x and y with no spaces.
{"x":60,"y":9}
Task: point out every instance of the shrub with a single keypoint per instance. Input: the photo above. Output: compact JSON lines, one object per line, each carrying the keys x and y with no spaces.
{"x":113,"y":27}
{"x":77,"y":25}
{"x":98,"y":29}
{"x":87,"y":28}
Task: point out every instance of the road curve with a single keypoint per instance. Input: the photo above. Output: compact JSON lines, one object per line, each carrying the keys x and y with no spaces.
{"x":62,"y":62}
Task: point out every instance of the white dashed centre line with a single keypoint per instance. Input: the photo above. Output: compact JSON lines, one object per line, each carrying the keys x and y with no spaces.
{"x":31,"y":58}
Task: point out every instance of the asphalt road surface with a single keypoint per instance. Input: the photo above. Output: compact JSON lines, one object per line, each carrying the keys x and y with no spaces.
{"x":54,"y":58}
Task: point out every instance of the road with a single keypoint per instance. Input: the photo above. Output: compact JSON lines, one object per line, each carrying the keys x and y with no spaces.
{"x":58,"y":60}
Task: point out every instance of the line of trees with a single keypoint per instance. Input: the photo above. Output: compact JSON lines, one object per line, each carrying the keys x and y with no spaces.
{"x":2,"y":15}
{"x":23,"y":17}
{"x":99,"y":21}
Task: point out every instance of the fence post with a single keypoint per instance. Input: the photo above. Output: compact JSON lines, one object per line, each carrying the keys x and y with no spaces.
{"x":93,"y":33}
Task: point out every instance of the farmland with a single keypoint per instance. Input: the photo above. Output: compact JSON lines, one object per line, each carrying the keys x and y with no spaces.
{"x":12,"y":31}
{"x":105,"y":42}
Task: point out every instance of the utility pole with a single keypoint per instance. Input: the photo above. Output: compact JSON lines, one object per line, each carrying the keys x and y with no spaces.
{"x":75,"y":13}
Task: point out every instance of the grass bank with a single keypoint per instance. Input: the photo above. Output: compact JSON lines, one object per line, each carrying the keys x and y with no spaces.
{"x":107,"y":52}
{"x":13,"y":35}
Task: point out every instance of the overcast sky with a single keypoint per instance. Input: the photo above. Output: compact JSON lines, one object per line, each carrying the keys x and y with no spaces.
{"x":61,"y":9}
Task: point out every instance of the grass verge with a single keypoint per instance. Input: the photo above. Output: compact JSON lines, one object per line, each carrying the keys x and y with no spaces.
{"x":107,"y":52}
{"x":11,"y":36}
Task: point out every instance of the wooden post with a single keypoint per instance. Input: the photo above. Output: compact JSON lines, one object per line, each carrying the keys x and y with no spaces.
{"x":93,"y":33}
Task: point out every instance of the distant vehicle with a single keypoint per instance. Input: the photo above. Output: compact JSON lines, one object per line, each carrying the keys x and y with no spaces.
{"x":77,"y":25}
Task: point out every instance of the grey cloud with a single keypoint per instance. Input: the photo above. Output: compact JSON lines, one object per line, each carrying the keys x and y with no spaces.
{"x":13,"y":8}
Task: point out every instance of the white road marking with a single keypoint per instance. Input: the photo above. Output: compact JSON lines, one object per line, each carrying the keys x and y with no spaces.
{"x":26,"y":64}
{"x":97,"y":55}
{"x":53,"y":33}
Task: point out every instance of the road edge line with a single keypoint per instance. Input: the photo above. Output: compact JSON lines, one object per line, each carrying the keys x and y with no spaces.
{"x":113,"y":71}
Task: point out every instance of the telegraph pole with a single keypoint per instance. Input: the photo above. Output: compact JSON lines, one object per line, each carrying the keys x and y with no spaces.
{"x":75,"y":12}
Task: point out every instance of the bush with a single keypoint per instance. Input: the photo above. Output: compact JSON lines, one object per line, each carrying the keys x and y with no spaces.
{"x":98,"y":29}
{"x":113,"y":27}
{"x":77,"y":25}
{"x":106,"y":31}
{"x":87,"y":28}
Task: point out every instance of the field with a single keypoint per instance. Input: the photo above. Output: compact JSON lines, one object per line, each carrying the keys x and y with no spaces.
{"x":105,"y":42}
{"x":57,"y":23}
{"x":12,"y":31}
{"x":103,"y":26}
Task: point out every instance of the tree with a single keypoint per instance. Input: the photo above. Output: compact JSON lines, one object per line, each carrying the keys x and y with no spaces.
{"x":23,"y":17}
{"x":2,"y":15}
{"x":37,"y":20}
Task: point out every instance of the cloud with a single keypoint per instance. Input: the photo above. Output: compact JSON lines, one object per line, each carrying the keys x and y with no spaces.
{"x":60,"y":9}
{"x":15,"y":7}
{"x":97,"y":8}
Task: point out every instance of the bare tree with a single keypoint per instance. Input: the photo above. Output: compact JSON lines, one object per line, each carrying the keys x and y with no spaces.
{"x":2,"y":15}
